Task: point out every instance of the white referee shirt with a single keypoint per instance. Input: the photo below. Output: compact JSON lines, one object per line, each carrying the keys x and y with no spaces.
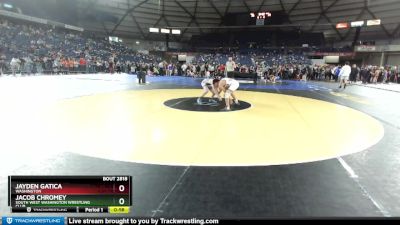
{"x":345,"y":71}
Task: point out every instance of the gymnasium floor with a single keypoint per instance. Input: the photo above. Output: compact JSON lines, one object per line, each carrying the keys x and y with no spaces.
{"x":299,"y":150}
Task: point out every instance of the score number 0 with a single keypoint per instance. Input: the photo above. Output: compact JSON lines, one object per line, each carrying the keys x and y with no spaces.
{"x":121,"y":188}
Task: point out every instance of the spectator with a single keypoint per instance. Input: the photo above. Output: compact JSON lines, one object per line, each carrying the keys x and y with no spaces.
{"x":15,"y":65}
{"x":2,"y":64}
{"x":364,"y":74}
{"x":354,"y":73}
{"x":111,"y":64}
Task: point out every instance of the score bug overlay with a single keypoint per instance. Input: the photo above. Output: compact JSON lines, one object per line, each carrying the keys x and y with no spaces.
{"x":137,"y":221}
{"x":103,"y":221}
{"x":86,"y":194}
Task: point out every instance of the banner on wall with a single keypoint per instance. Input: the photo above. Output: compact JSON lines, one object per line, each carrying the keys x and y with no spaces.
{"x":366,"y":48}
{"x":343,"y":54}
{"x":145,"y":52}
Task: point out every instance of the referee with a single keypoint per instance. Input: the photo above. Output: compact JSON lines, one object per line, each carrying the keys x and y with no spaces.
{"x":230,"y":67}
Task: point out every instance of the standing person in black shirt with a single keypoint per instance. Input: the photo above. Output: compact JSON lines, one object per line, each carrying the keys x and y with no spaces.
{"x":141,"y":73}
{"x":354,"y":73}
{"x":115,"y":59}
{"x":364,"y":74}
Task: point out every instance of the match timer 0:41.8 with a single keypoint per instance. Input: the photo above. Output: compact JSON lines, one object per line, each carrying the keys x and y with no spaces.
{"x":76,"y":194}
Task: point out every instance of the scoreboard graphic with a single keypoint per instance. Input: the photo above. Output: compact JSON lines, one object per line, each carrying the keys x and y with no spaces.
{"x":74,"y":194}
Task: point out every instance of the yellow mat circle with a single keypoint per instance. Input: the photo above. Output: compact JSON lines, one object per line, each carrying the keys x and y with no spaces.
{"x":136,"y":126}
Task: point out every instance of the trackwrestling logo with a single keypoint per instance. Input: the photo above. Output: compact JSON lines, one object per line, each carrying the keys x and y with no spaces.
{"x":33,"y":220}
